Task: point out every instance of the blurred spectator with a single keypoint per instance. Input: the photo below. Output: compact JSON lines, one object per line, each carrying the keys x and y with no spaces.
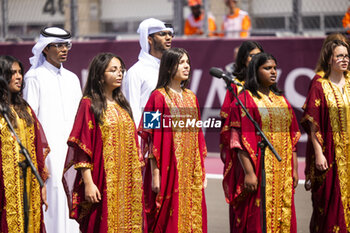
{"x":194,"y":22}
{"x":346,"y":21}
{"x":237,"y":22}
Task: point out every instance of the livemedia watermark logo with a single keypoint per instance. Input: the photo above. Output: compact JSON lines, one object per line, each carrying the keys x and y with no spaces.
{"x":157,"y":120}
{"x":151,"y":120}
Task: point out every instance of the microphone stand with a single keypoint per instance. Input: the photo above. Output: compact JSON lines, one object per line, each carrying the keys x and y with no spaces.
{"x":24,"y":165}
{"x":262,"y":145}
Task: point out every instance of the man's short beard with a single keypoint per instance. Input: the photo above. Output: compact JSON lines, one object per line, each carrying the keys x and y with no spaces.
{"x":157,"y":46}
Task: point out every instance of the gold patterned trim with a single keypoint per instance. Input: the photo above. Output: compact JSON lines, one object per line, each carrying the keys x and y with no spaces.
{"x":122,"y":171}
{"x":276,"y":120}
{"x":228,"y":169}
{"x":236,"y":124}
{"x":225,"y":128}
{"x":223,"y":114}
{"x":83,"y":165}
{"x":189,"y":164}
{"x":339,"y":112}
{"x":317,"y":103}
{"x":81,"y":145}
{"x":296,"y":138}
{"x":91,"y":125}
{"x":13,"y":177}
{"x":318,"y":134}
{"x":250,"y":150}
{"x":46,"y":152}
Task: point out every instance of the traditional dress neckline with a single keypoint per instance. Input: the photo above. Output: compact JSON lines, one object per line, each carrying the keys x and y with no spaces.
{"x":176,"y":92}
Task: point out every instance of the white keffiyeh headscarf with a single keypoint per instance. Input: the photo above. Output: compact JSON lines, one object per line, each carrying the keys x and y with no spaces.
{"x":147,"y":27}
{"x":55,"y":36}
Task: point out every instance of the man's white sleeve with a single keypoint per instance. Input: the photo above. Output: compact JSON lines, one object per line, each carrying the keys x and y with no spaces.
{"x":31,"y":93}
{"x":132,"y":91}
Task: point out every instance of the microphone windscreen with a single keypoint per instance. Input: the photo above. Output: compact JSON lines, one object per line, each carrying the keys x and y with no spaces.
{"x":216,"y":72}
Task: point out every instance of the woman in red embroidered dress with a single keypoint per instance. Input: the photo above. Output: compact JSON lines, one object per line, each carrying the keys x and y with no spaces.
{"x":276,"y":118}
{"x":246,"y":52}
{"x":174,"y":176}
{"x":30,"y":133}
{"x":319,"y":70}
{"x":102,"y":175}
{"x":326,"y":120}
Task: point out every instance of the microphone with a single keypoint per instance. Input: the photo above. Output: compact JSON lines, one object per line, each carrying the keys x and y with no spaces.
{"x":219,"y":73}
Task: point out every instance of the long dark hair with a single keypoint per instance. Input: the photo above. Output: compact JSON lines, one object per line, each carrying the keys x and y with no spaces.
{"x":327,"y":54}
{"x":240,"y":68}
{"x":252,"y":80}
{"x":94,"y":86}
{"x":15,"y":99}
{"x":168,"y":67}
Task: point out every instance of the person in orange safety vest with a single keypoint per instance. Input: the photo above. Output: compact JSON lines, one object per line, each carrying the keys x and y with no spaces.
{"x":195,"y":21}
{"x":236,"y":23}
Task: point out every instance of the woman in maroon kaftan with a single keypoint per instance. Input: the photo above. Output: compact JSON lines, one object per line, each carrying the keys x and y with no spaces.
{"x":326,"y":120}
{"x":247,"y":50}
{"x":31,"y":134}
{"x":174,"y":176}
{"x":276,"y":118}
{"x":102,"y":175}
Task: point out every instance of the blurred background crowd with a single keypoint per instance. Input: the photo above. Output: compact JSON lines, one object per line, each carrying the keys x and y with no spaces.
{"x":119,"y":19}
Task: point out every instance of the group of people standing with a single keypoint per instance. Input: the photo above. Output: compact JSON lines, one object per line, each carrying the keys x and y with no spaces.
{"x":236,"y":23}
{"x":96,"y":172}
{"x":325,"y":119}
{"x":119,"y":175}
{"x":50,"y":95}
{"x":241,"y":151}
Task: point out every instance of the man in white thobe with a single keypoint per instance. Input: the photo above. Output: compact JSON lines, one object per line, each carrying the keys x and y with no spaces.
{"x":54,"y":94}
{"x":141,"y":79}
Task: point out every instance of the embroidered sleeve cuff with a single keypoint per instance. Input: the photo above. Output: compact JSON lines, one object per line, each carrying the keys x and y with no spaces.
{"x":83,"y":165}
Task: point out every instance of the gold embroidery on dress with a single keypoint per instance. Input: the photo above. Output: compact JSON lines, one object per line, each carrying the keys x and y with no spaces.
{"x":91,"y":125}
{"x":249,"y":149}
{"x":228,"y":168}
{"x":188,"y":161}
{"x":83,"y":165}
{"x":223,"y":114}
{"x":225,"y":128}
{"x":123,"y":171}
{"x":236,"y":124}
{"x":257,"y":202}
{"x":243,"y":114}
{"x":317,"y":102}
{"x":276,"y":121}
{"x":12,"y":174}
{"x":81,"y":145}
{"x":336,"y":229}
{"x":339,"y":115}
{"x":309,"y":118}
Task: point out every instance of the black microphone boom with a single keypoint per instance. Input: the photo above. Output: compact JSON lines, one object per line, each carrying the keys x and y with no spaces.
{"x":219,"y":73}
